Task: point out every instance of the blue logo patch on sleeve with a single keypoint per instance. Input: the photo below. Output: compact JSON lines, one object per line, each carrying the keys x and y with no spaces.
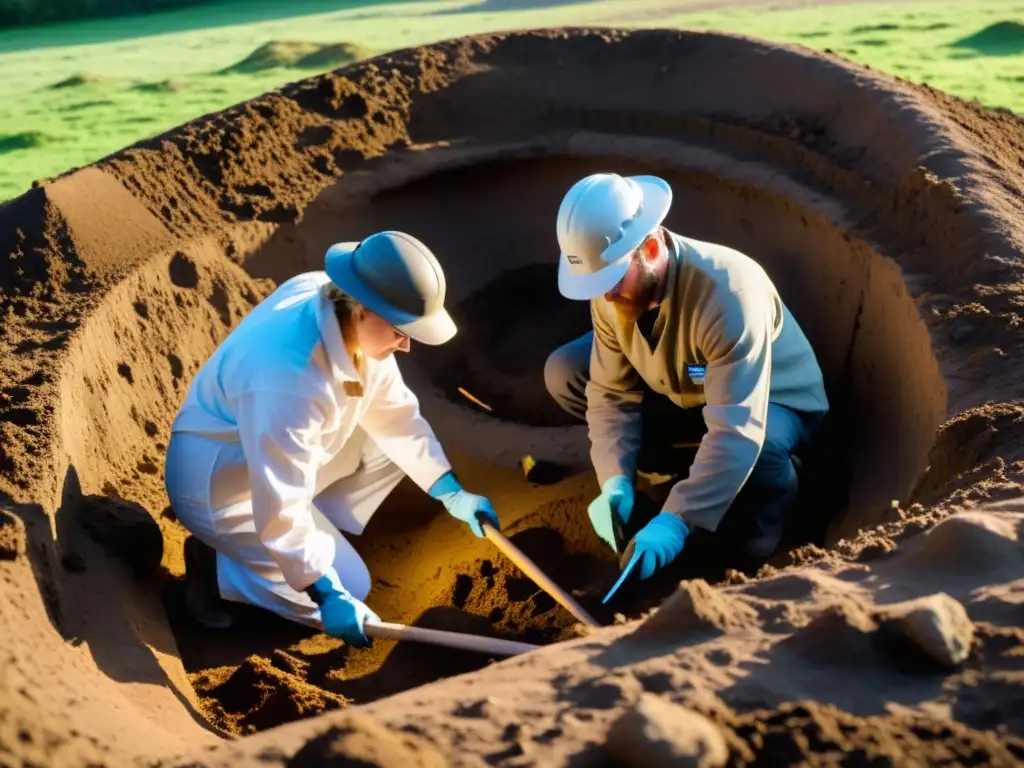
{"x":696,"y":373}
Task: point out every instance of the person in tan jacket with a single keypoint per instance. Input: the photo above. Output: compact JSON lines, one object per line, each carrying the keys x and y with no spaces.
{"x":684,"y":332}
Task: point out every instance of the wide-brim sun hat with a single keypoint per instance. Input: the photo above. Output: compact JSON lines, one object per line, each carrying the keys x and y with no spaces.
{"x":602,"y":219}
{"x":397,"y":277}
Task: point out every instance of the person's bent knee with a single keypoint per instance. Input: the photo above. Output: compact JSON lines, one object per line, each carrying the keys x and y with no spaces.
{"x":558,"y":373}
{"x":355,"y":577}
{"x":774,"y":468}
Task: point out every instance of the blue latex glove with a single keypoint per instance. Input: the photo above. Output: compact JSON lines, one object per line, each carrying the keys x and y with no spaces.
{"x":612,"y":509}
{"x":342,"y":615}
{"x":463,"y":505}
{"x":658,"y":543}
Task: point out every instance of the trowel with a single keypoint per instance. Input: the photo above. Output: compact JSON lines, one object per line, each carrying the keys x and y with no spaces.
{"x":633,"y":560}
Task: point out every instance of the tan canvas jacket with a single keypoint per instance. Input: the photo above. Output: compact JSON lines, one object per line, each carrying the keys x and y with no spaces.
{"x":724,"y":341}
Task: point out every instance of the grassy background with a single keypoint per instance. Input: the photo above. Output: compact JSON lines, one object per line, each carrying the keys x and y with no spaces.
{"x":73,"y":93}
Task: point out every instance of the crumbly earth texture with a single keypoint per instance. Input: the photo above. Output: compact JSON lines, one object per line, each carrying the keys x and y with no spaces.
{"x":891,"y":631}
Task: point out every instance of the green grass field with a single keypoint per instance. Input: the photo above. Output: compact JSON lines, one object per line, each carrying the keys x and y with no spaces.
{"x":74,"y":93}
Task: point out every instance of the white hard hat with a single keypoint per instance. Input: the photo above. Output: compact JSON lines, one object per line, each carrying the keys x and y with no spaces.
{"x":603,"y":218}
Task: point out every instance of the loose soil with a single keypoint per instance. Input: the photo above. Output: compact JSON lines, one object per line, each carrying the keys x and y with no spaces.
{"x":886,"y":213}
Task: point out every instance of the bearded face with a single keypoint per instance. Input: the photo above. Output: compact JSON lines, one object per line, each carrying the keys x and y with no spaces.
{"x":637,"y":291}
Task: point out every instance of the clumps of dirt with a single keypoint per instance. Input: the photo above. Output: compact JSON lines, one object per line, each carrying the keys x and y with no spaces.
{"x":843,"y":634}
{"x":514,"y":604}
{"x":808,"y":732}
{"x":261,"y":693}
{"x":696,"y":608}
{"x":298,"y":54}
{"x":489,"y":597}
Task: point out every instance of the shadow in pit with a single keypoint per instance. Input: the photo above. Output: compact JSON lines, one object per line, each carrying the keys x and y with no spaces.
{"x":98,"y":577}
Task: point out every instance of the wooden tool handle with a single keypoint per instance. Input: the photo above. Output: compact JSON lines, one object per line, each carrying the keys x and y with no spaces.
{"x":492,"y":645}
{"x":527,"y":566}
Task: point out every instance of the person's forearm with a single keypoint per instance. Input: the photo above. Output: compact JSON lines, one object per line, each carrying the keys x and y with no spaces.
{"x":719,"y":471}
{"x":615,"y":438}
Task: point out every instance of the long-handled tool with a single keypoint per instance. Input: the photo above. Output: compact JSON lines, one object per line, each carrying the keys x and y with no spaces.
{"x":541,"y":579}
{"x":466,"y":642}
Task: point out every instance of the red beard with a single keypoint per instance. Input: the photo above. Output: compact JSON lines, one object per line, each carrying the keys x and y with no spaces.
{"x":631,"y":306}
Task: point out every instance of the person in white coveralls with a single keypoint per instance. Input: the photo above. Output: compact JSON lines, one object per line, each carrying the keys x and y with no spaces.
{"x":296,"y":430}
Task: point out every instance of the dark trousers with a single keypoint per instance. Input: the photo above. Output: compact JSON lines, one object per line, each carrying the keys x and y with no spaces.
{"x":764,"y":503}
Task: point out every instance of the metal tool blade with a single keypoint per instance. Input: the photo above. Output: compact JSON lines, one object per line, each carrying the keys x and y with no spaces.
{"x":626,"y":573}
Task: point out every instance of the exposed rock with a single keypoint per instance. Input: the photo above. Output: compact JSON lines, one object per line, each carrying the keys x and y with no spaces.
{"x":657,"y":732}
{"x":937,"y":624}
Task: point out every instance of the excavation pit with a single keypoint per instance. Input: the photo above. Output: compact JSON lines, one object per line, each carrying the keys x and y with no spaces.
{"x":491,"y":224}
{"x":127,"y":274}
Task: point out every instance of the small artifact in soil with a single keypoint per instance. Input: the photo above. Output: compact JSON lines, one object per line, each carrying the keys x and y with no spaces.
{"x":937,"y":624}
{"x":657,"y":732}
{"x":542,"y":472}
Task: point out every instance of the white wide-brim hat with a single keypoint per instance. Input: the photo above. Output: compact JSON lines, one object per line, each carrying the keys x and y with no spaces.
{"x":603,"y":218}
{"x":397,"y":277}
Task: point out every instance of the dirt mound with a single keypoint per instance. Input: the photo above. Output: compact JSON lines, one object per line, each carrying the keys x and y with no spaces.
{"x":1004,"y":38}
{"x":809,"y":732}
{"x":160,"y":86}
{"x":259,"y":694}
{"x":333,"y":55}
{"x":892,"y":238}
{"x":844,"y":633}
{"x":300,"y":54}
{"x":79,"y":80}
{"x":696,"y":608}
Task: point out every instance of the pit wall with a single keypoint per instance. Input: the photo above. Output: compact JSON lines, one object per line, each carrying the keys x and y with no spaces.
{"x":371,"y":119}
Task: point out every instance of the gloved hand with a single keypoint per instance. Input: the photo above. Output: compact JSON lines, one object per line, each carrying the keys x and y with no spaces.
{"x":612,"y":509}
{"x":342,"y":615}
{"x":463,"y":505}
{"x":657,"y":544}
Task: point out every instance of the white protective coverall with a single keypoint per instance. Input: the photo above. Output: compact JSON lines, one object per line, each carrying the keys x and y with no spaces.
{"x":274,"y":450}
